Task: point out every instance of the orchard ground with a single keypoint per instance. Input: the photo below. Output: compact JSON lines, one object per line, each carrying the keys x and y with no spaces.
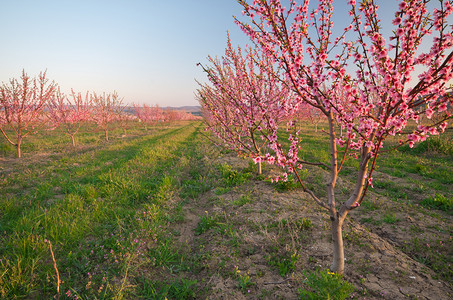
{"x":165,"y":213}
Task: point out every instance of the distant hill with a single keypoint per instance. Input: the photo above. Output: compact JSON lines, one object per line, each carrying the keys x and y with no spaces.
{"x":191,"y":109}
{"x":194,"y":110}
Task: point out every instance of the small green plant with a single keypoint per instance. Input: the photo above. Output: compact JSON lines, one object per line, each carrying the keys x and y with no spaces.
{"x":181,"y":289}
{"x":440,"y":202}
{"x":390,"y":218}
{"x":323,"y":284}
{"x":164,"y":254}
{"x":285,"y":263}
{"x":421,"y":169}
{"x":233,"y":177}
{"x":244,"y":199}
{"x":441,"y":145}
{"x":6,"y":148}
{"x":369,"y":205}
{"x":244,"y":281}
{"x":289,"y":185}
{"x":304,"y":224}
{"x":206,"y":222}
{"x":165,"y":191}
{"x":221,"y":190}
{"x":226,"y":229}
{"x":435,"y":254}
{"x":194,"y":187}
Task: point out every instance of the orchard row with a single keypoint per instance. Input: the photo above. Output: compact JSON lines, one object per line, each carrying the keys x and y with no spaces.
{"x":30,"y":104}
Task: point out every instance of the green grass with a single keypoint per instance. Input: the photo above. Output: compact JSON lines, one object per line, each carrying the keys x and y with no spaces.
{"x":233,"y":177}
{"x":390,"y":218}
{"x":244,"y":281}
{"x":434,"y":144}
{"x":285,"y":263}
{"x":154,"y":289}
{"x":440,"y":202}
{"x":206,"y":222}
{"x":289,"y":185}
{"x":322,"y":284}
{"x":244,"y":199}
{"x":304,"y":224}
{"x":104,"y":210}
{"x":434,"y":253}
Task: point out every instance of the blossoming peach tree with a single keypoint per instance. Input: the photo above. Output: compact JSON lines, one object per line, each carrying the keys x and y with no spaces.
{"x":21,"y":107}
{"x":149,"y":115}
{"x":244,"y":103}
{"x":106,"y":108}
{"x":361,"y":78}
{"x":69,"y":115}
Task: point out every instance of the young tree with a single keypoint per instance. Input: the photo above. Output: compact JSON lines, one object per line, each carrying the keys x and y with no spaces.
{"x":243,"y":100}
{"x":169,"y":115}
{"x":374,"y":74}
{"x":69,"y":115}
{"x":149,"y":115}
{"x":308,"y":113}
{"x":124,"y":120}
{"x":106,"y":108}
{"x":22,"y":102}
{"x":172,"y":115}
{"x":180,"y":115}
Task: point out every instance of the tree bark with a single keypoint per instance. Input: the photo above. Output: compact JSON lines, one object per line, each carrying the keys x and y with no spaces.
{"x":336,"y":218}
{"x":339,"y":217}
{"x":19,"y":142}
{"x":338,"y":247}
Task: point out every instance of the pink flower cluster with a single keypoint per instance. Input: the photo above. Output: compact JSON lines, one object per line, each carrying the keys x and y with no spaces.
{"x":245,"y":105}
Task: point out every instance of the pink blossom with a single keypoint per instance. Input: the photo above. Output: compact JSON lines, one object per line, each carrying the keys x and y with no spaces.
{"x":429,"y":113}
{"x":271,"y":160}
{"x":442,"y":107}
{"x":397,"y":21}
{"x":433,"y":131}
{"x":370,"y":182}
{"x":257,"y":159}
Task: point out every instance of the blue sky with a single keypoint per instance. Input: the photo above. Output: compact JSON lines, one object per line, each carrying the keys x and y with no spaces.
{"x":145,"y":50}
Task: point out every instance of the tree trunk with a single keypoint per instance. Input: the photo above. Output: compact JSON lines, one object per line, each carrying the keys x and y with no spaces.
{"x":259,"y":168}
{"x":19,"y":142}
{"x":73,"y":140}
{"x":338,"y":248}
{"x":338,"y":217}
{"x":106,"y":134}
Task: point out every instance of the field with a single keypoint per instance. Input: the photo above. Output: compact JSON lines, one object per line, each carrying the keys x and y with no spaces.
{"x":164,"y":213}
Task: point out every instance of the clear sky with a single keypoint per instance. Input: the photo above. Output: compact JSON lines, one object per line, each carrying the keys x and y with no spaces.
{"x":146,"y":50}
